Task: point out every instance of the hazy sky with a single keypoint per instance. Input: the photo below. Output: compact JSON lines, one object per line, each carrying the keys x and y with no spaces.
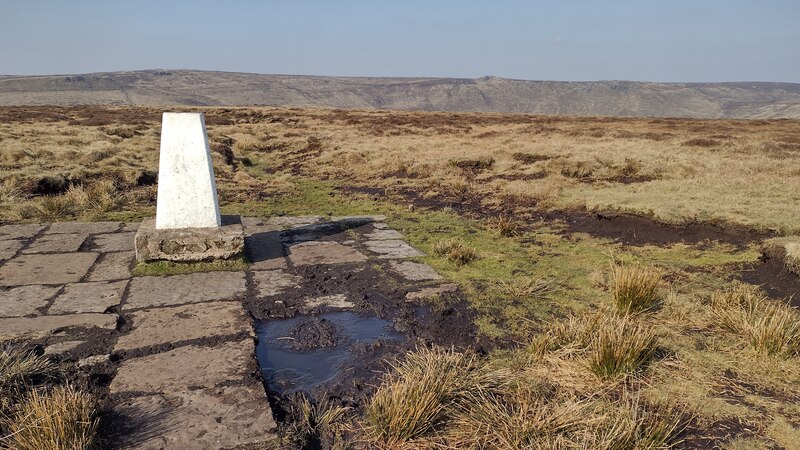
{"x":649,"y":40}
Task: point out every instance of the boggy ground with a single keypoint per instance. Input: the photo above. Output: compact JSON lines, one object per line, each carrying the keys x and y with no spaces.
{"x":544,"y":206}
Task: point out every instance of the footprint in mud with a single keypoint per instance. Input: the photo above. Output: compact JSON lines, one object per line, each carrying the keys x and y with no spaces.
{"x":300,"y":353}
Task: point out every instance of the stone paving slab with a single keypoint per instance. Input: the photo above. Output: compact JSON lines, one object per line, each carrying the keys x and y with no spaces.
{"x":383,"y":234}
{"x":323,"y":252}
{"x":392,"y":249}
{"x":223,"y":417}
{"x":292,"y":222}
{"x":179,"y":289}
{"x":274,"y":282}
{"x":9,"y":248}
{"x":112,"y":266}
{"x":414,"y":271}
{"x":130,"y":226}
{"x":25,"y":300}
{"x":61,"y":347}
{"x":332,"y":301}
{"x":83,"y":227}
{"x":54,"y":268}
{"x":18,"y":326}
{"x":96,"y":296}
{"x":20,"y":231}
{"x":265,"y":250}
{"x":201,"y":320}
{"x":185,"y":368}
{"x":114,"y":242}
{"x":57,"y":243}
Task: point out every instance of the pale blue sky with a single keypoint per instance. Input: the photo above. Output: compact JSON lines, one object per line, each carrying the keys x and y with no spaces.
{"x":648,"y":40}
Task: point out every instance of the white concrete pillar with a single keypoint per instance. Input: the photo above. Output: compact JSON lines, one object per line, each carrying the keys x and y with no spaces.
{"x":187,"y":191}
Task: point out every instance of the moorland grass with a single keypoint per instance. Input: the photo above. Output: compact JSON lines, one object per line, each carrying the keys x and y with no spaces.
{"x":635,"y":288}
{"x":770,"y":327}
{"x":58,"y":419}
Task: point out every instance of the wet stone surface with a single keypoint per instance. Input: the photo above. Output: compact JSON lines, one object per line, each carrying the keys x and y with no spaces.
{"x":175,"y":359}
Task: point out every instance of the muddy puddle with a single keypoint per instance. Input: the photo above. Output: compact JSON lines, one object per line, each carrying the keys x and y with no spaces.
{"x":301,"y":353}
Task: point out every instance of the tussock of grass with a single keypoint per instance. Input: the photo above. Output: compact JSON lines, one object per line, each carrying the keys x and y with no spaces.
{"x":621,"y":347}
{"x":416,"y":399}
{"x":505,"y":226}
{"x":18,"y":368}
{"x":323,"y":420}
{"x":57,"y":420}
{"x":455,"y":251}
{"x":635,"y":288}
{"x":634,"y":425}
{"x":770,"y":327}
{"x":515,"y":420}
{"x":526,"y":287}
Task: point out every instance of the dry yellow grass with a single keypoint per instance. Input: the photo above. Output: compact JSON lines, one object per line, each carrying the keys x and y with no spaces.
{"x":635,"y":288}
{"x":744,"y":172}
{"x":57,"y":420}
{"x":100,"y":163}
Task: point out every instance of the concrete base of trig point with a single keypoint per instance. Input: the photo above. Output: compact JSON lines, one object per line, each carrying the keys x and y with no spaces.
{"x":190,"y":244}
{"x":188,"y":226}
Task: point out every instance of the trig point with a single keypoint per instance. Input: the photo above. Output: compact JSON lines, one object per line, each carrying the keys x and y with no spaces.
{"x":187,"y":192}
{"x":188,"y":226}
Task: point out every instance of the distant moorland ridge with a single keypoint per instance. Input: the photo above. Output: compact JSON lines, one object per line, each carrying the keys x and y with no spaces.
{"x":745,"y":100}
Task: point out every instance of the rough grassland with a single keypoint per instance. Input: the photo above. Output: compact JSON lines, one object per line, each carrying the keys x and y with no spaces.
{"x":540,"y":291}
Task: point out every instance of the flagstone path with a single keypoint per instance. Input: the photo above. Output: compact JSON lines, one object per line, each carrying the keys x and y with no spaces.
{"x":176,"y":354}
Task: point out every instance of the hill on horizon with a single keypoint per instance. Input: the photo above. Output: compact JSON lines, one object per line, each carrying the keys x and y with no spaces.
{"x":741,"y":100}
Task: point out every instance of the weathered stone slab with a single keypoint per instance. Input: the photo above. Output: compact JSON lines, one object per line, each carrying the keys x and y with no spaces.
{"x":18,"y":326}
{"x":180,"y":289}
{"x":20,"y":231}
{"x":431,"y":292}
{"x":414,"y":271}
{"x":265,"y":250}
{"x":187,"y":191}
{"x":331,"y":301}
{"x":25,"y":300}
{"x":61,"y":347}
{"x":185,"y":368}
{"x":9,"y":248}
{"x":114,"y":242}
{"x":165,"y":325}
{"x":96,"y":296}
{"x":382,"y":235}
{"x":323,"y":252}
{"x":284,"y":222}
{"x":274,"y":282}
{"x":223,"y":417}
{"x":53,"y":268}
{"x":189,"y":244}
{"x":83,"y":228}
{"x":112,"y":266}
{"x":57,"y":243}
{"x":130,"y":226}
{"x":392,"y":249}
